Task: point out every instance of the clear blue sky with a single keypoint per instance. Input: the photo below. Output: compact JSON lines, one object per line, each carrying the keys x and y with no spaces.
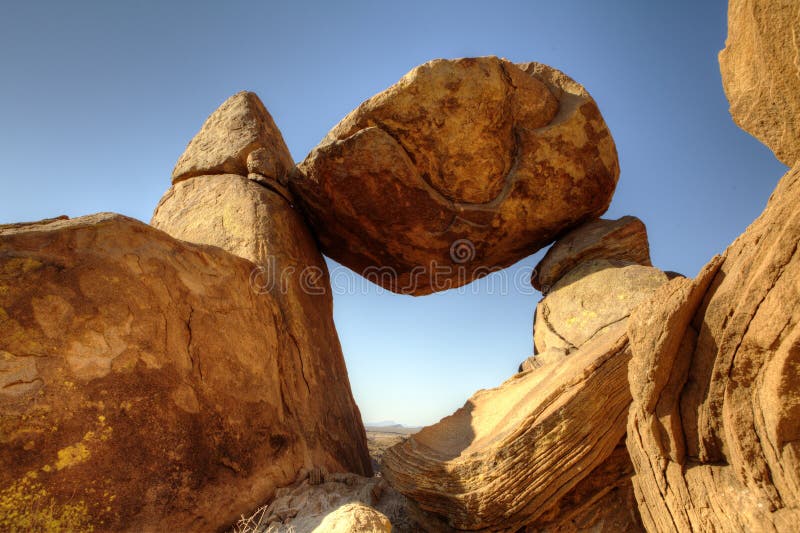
{"x":98,"y":99}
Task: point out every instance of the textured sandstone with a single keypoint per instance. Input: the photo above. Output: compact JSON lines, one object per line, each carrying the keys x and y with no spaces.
{"x":761,"y":72}
{"x":240,"y":137}
{"x":462,"y":167}
{"x":624,"y":239}
{"x":354,"y":518}
{"x":144,"y":384}
{"x":513,"y":453}
{"x":588,"y":300}
{"x":714,"y":429}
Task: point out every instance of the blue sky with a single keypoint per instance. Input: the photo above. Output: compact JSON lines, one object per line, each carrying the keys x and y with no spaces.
{"x":98,"y":100}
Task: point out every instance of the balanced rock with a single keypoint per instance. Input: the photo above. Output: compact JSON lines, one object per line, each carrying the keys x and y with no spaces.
{"x":624,"y":239}
{"x":761,"y":72}
{"x":714,"y":428}
{"x":513,"y":453}
{"x":240,"y":137}
{"x":144,"y":384}
{"x":462,"y":167}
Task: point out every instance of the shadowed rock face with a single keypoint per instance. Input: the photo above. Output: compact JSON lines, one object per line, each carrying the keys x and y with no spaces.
{"x":461,"y":167}
{"x":144,"y":384}
{"x":761,"y":72}
{"x":513,"y":453}
{"x":714,"y":430}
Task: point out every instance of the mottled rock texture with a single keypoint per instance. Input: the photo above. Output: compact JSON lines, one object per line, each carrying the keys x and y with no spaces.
{"x":145,"y":386}
{"x":624,"y":239}
{"x":240,"y":137}
{"x":513,"y":454}
{"x":461,"y":167}
{"x":760,"y":68}
{"x":714,"y":429}
{"x":588,"y":300}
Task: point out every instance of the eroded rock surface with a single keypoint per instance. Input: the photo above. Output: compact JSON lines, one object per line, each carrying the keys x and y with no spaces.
{"x":513,"y":453}
{"x":588,"y":300}
{"x":624,"y":239}
{"x":144,"y":385}
{"x":714,"y":429}
{"x":761,"y":72}
{"x":240,"y":137}
{"x":461,"y":167}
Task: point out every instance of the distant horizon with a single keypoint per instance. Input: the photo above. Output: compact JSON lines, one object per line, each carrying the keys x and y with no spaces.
{"x":96,"y":116}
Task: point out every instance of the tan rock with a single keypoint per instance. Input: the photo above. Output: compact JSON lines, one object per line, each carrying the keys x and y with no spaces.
{"x":601,"y":502}
{"x":354,"y":518}
{"x":512,"y":453}
{"x":462,"y":167}
{"x":624,"y":239}
{"x":714,"y":429}
{"x":588,"y":300}
{"x":145,"y":386}
{"x":240,"y":137}
{"x":761,"y":72}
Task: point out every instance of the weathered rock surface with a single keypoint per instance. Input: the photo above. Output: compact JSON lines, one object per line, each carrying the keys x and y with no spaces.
{"x":624,"y":239}
{"x":144,"y":384}
{"x":324,"y":502}
{"x":240,"y":137}
{"x":461,"y":167}
{"x":588,"y":300}
{"x":761,"y":72}
{"x":714,"y":428}
{"x":513,"y":453}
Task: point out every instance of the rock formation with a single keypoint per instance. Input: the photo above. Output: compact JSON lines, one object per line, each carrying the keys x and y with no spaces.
{"x":152,"y":384}
{"x":624,"y":239}
{"x":513,"y":453}
{"x":462,"y":167}
{"x":761,"y":73}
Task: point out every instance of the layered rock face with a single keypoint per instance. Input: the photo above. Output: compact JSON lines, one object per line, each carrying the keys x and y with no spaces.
{"x":715,"y":377}
{"x":761,"y":72}
{"x":545,"y":450}
{"x":462,"y":167}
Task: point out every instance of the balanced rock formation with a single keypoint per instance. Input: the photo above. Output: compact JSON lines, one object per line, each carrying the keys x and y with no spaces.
{"x":761,"y":72}
{"x":624,"y":239}
{"x":144,"y":384}
{"x":462,"y":167}
{"x":714,"y":430}
{"x":513,"y":454}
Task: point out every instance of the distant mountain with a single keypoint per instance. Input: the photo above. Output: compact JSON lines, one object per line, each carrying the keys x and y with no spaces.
{"x":388,"y":426}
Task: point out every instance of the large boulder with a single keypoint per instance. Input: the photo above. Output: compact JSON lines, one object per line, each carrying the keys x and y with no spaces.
{"x":144,"y":384}
{"x":624,"y":239}
{"x":518,"y":455}
{"x":462,"y":167}
{"x":714,"y":429}
{"x":761,"y":72}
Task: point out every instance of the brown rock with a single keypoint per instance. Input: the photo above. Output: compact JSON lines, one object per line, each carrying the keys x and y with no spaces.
{"x":624,"y":239}
{"x":144,"y":384}
{"x":462,"y":167}
{"x":240,"y":137}
{"x":354,"y":518}
{"x":512,"y":453}
{"x":602,"y":502}
{"x":588,"y":300}
{"x":761,"y":72}
{"x":714,"y":429}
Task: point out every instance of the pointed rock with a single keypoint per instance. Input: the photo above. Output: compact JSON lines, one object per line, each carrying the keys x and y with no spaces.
{"x":240,"y":137}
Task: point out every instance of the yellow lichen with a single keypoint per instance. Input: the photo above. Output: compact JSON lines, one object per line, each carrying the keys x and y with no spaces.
{"x":26,"y":506}
{"x":21,"y":265}
{"x":72,"y":455}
